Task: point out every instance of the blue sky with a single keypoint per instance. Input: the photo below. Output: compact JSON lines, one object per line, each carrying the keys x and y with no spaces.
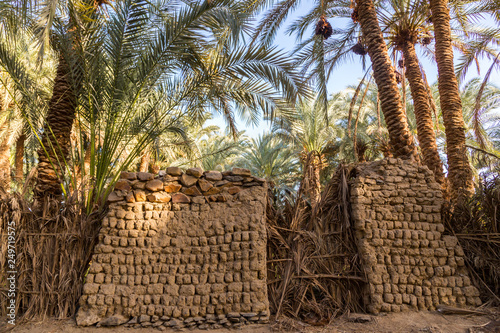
{"x":349,"y":73}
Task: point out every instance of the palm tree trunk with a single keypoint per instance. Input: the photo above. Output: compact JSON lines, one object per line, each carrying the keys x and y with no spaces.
{"x":423,"y":114}
{"x":379,"y":121}
{"x":144,"y":165}
{"x":19,"y":162}
{"x":459,"y":169}
{"x":400,"y":137}
{"x":56,"y":137}
{"x":310,"y":186}
{"x":5,"y":164}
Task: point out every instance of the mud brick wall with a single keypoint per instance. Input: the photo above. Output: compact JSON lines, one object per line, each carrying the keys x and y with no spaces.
{"x":409,"y":263}
{"x":180,"y":250}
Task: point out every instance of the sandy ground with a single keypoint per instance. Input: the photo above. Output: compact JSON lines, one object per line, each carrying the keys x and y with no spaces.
{"x":412,"y":322}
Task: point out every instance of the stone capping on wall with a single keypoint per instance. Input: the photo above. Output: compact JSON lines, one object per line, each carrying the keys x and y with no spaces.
{"x":180,"y":249}
{"x":409,"y":263}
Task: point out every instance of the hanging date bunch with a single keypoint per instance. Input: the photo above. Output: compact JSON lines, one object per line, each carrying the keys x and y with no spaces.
{"x":324,"y":28}
{"x":360,"y":47}
{"x":399,"y":77}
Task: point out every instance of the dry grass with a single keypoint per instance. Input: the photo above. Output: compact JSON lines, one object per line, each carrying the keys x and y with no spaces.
{"x":53,"y":249}
{"x":314,"y":272}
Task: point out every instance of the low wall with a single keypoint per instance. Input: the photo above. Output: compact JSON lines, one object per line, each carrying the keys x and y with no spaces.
{"x":180,"y":250}
{"x":408,"y":261}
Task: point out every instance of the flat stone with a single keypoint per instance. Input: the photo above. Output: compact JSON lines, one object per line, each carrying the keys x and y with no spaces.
{"x":144,"y":318}
{"x":128,"y":175}
{"x":86,"y":318}
{"x":252,"y":184}
{"x":195,"y":172}
{"x":234,"y":178}
{"x":204,"y":185}
{"x":259,"y":180}
{"x":139,"y":185}
{"x":221,"y":182}
{"x":115,"y":320}
{"x":169,"y":178}
{"x":132,"y":321}
{"x":172,"y":187}
{"x":213,"y":175}
{"x":249,"y":314}
{"x":212,"y":191}
{"x":233,"y":315}
{"x":130,"y":198}
{"x":198,"y":200}
{"x":180,"y":198}
{"x":123,"y":185}
{"x":145,"y":176}
{"x":174,"y":171}
{"x":188,"y":180}
{"x":220,"y":198}
{"x":172,"y":323}
{"x":154,"y":185}
{"x":192,"y":191}
{"x":140,"y":195}
{"x":113,"y":197}
{"x":241,"y":172}
{"x":233,"y":190}
{"x":158,"y":197}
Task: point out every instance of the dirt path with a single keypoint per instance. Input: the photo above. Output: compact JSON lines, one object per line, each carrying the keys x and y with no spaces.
{"x":411,"y":322}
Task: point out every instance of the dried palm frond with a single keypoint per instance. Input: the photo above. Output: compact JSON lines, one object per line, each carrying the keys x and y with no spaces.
{"x":313,"y":266}
{"x":476,"y":224}
{"x":53,"y":250}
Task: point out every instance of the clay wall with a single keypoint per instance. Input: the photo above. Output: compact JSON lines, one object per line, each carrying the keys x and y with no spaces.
{"x":408,"y":261}
{"x":180,"y":250}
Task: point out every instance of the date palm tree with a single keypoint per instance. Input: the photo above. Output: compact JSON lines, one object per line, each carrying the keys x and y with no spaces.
{"x":405,"y":24}
{"x":310,"y":136}
{"x":269,"y":157}
{"x":128,"y":72}
{"x":459,"y":169}
{"x":401,"y":139}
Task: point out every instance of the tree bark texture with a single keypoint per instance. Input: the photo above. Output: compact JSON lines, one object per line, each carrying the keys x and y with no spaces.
{"x":459,"y":169}
{"x":423,"y":113}
{"x":19,"y":162}
{"x":400,"y":136}
{"x":311,"y":185}
{"x":144,"y":165}
{"x":5,"y":164}
{"x":56,"y":135}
